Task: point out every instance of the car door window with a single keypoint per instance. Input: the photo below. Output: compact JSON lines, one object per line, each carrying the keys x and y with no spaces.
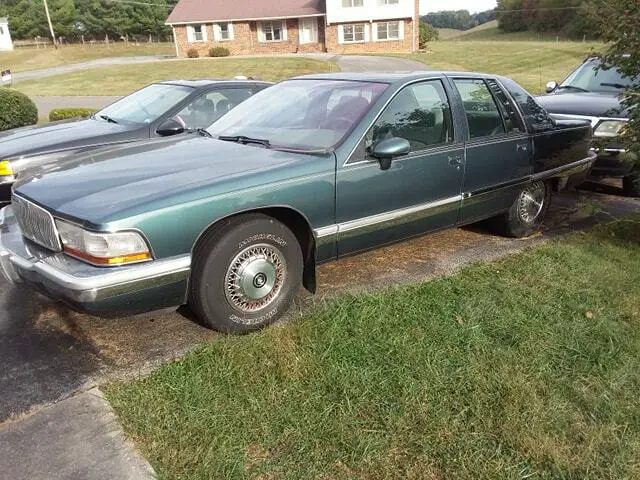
{"x":483,"y":116}
{"x":536,"y":117}
{"x":206,"y":109}
{"x":512,"y":119}
{"x":420,"y":113}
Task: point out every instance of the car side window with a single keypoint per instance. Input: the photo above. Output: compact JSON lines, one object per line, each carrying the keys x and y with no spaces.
{"x":420,"y":113}
{"x":483,"y":116}
{"x":206,"y":109}
{"x":512,"y":120}
{"x":536,"y":117}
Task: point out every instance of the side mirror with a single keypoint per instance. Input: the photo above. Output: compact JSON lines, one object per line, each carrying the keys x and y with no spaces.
{"x":386,"y":150}
{"x":170,"y":127}
{"x":551,"y":86}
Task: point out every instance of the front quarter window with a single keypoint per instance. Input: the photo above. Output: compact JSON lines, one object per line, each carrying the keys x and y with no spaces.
{"x":534,"y":114}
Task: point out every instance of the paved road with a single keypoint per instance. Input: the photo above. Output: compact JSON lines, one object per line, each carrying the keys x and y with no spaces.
{"x":49,"y":352}
{"x":346,"y":63}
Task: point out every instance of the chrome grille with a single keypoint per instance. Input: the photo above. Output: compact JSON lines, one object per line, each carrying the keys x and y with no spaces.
{"x":36,"y":223}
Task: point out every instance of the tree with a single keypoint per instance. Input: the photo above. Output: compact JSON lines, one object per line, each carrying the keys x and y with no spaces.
{"x":619,"y":25}
{"x":427,"y":34}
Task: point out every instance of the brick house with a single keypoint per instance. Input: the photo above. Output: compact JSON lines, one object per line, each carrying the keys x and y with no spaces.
{"x":248,"y":27}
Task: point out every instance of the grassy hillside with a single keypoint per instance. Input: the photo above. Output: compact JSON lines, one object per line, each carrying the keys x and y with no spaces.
{"x":447,"y":33}
{"x":531,"y":64}
{"x":490,"y":31}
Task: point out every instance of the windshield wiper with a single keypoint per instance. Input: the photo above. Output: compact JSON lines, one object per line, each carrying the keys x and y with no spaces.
{"x":614,"y":85}
{"x":108,"y":118}
{"x":200,"y":131}
{"x":573,"y":87}
{"x":245,"y":140}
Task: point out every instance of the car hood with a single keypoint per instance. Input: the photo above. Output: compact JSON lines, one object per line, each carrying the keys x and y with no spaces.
{"x":589,"y":104}
{"x":108,"y":184}
{"x":58,"y":135}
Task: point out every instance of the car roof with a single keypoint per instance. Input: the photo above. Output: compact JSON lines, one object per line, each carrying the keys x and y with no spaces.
{"x":211,"y":82}
{"x":400,"y":77}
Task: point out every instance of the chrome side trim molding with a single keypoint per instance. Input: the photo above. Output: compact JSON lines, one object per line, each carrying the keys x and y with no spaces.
{"x":594,"y":120}
{"x":330,"y":233}
{"x":566,"y":169}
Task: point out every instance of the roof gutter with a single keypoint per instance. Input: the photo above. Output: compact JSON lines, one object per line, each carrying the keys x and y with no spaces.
{"x":244,"y":19}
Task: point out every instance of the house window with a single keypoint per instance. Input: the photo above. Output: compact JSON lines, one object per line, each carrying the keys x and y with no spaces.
{"x":353,"y":33}
{"x":351,"y":3}
{"x":272,"y":32}
{"x":196,"y":33}
{"x":388,"y":2}
{"x":388,"y":31}
{"x":223,"y":31}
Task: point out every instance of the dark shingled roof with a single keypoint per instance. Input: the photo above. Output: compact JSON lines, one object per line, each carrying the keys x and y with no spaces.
{"x":194,"y":11}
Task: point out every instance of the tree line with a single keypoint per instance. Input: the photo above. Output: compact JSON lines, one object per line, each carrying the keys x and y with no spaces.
{"x":568,"y":18}
{"x":73,"y":19}
{"x":458,"y":19}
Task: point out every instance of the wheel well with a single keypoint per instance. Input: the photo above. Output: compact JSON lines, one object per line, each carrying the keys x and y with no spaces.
{"x":300,"y":227}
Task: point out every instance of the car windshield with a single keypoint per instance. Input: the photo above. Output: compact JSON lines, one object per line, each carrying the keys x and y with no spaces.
{"x":590,"y":78}
{"x":301,"y":114}
{"x":145,"y":105}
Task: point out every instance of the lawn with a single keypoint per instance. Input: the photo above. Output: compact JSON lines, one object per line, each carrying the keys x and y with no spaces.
{"x":22,"y":59}
{"x":123,"y":79}
{"x":524,"y":368}
{"x":531,"y":63}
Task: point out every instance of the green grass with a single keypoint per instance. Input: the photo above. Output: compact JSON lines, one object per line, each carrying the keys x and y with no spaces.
{"x":490,"y":31}
{"x":532,"y":64}
{"x":123,"y":79}
{"x":22,"y":59}
{"x":523,"y":368}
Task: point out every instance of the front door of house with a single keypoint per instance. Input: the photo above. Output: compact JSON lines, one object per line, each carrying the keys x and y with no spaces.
{"x":308,"y":30}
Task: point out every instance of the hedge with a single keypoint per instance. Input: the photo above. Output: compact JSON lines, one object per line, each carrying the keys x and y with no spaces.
{"x":192,"y":53}
{"x":16,"y":109}
{"x":219,"y":52}
{"x":66,"y":113}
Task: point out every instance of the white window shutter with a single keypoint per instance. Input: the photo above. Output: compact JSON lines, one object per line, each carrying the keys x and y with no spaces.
{"x":190,"y":35}
{"x":204,"y":33}
{"x":284,"y":30}
{"x":217,"y":36}
{"x":401,"y":29}
{"x":231,"y":37}
{"x":374,"y":32}
{"x":367,"y":35}
{"x":260,"y":32}
{"x":340,"y":33}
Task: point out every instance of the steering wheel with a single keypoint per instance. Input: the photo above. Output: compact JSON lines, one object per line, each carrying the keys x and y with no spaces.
{"x":147,"y":112}
{"x":339,"y":124}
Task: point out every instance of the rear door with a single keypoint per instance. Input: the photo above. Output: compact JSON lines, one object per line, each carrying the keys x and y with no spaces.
{"x":498,"y":149}
{"x":421,"y":191}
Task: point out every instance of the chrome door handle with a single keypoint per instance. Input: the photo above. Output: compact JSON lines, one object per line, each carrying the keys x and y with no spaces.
{"x":522,"y":147}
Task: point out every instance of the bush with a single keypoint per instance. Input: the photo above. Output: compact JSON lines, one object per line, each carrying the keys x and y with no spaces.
{"x":16,"y":110}
{"x":66,"y":113}
{"x":192,"y":53}
{"x":219,"y":52}
{"x":428,"y":33}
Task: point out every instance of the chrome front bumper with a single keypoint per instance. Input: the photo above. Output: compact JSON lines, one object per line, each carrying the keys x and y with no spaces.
{"x":79,"y":283}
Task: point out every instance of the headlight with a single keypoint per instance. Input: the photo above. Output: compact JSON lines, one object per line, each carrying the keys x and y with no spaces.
{"x":609,"y":128}
{"x":103,"y":248}
{"x":6,"y":169}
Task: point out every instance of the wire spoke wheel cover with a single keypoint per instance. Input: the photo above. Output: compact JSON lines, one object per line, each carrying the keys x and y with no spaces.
{"x":255,"y":277}
{"x":531,"y":202}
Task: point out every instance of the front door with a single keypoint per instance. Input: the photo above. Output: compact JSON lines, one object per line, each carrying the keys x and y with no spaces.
{"x":308,"y":30}
{"x":498,"y":151}
{"x":420,"y":192}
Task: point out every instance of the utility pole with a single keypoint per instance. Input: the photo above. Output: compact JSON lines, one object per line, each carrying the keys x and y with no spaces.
{"x":53,"y":35}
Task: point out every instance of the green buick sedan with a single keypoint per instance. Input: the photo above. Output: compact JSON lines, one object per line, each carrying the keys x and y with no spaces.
{"x":233,"y":221}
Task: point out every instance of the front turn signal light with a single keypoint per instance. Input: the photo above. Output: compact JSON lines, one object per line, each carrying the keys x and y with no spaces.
{"x":5,"y":168}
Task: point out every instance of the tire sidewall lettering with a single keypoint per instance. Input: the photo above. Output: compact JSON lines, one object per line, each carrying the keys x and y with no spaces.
{"x":262,"y":237}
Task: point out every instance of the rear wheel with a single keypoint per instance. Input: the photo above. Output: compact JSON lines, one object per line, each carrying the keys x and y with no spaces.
{"x":245,"y":274}
{"x":631,"y":184}
{"x":527,"y":212}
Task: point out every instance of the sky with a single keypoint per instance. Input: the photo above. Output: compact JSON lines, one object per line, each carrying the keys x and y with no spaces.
{"x":473,"y":6}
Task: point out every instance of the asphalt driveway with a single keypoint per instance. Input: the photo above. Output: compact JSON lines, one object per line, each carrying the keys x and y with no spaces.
{"x":49,"y":352}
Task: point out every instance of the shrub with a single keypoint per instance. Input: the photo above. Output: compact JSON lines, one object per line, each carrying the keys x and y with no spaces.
{"x":66,"y":113}
{"x":427,"y":34}
{"x":219,"y":52}
{"x":16,"y":110}
{"x":192,"y":53}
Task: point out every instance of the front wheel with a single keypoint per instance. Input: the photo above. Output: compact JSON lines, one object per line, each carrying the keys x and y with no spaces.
{"x":631,"y":184}
{"x":527,"y":212}
{"x":245,"y":274}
